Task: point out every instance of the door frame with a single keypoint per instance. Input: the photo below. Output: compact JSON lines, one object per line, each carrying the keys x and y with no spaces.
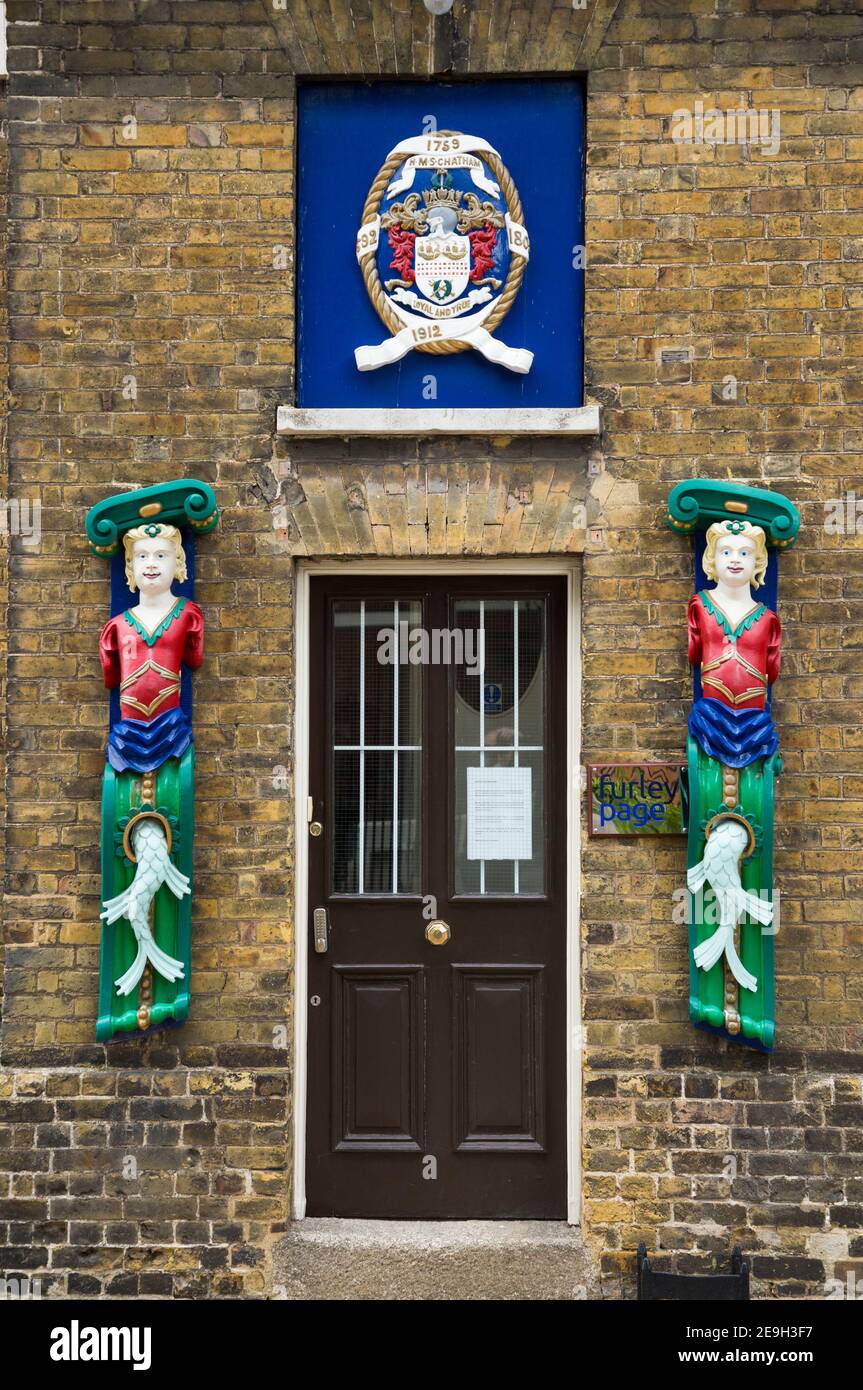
{"x":304,"y":571}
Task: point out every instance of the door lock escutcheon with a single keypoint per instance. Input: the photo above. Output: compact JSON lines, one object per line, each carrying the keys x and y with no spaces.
{"x":438,"y":933}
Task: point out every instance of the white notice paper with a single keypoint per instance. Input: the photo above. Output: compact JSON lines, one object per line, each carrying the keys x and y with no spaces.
{"x":499,"y":813}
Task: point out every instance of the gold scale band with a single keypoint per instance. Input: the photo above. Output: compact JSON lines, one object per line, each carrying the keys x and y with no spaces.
{"x":145,"y":986}
{"x":730,"y":796}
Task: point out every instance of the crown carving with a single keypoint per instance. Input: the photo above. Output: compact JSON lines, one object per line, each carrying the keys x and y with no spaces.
{"x":442,"y":197}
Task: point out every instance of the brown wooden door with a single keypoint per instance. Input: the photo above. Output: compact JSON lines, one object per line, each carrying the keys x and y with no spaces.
{"x":437,"y":1072}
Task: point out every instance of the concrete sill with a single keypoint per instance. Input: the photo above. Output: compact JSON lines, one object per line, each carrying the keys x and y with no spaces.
{"x":325,"y":1258}
{"x":583,"y":420}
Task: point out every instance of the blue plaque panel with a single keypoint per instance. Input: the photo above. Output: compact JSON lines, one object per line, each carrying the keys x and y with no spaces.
{"x":452,"y":251}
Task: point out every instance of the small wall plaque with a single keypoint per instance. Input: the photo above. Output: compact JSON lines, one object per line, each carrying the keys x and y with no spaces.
{"x":636,"y":799}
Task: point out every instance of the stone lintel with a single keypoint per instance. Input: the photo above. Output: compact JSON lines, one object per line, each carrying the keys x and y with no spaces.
{"x":343,"y":506}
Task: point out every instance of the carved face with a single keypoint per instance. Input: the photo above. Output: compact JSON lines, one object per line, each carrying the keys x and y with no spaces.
{"x":735,"y":561}
{"x":154,"y":565}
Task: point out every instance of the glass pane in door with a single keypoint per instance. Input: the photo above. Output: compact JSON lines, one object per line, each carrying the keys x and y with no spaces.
{"x":499,"y":723}
{"x":376,"y":748}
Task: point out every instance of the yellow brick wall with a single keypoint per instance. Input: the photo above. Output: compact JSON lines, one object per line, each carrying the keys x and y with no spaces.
{"x":150,"y":255}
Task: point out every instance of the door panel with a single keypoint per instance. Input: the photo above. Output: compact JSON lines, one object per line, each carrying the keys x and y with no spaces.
{"x":497,"y":1051}
{"x":438,"y":772}
{"x":378,"y":1055}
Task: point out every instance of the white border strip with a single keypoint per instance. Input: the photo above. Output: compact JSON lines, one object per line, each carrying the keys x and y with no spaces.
{"x":481,"y":720}
{"x":394,"y":833}
{"x":359,"y":421}
{"x":574,"y":1025}
{"x":303,"y":572}
{"x":516,"y":701}
{"x":302,"y":817}
{"x":361,"y":818}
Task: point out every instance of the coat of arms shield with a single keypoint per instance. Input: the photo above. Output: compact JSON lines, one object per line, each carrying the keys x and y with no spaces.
{"x":442,"y":263}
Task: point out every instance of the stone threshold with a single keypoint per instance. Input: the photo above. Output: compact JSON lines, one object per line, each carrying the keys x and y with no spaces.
{"x":330,"y":1258}
{"x":583,"y":420}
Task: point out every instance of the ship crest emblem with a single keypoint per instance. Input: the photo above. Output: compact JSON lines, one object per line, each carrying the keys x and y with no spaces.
{"x":443,"y":250}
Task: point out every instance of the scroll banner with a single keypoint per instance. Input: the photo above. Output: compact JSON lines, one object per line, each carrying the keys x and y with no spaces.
{"x":451,"y":155}
{"x":368,"y":237}
{"x":517,"y":238}
{"x":467,"y":330}
{"x":412,"y":301}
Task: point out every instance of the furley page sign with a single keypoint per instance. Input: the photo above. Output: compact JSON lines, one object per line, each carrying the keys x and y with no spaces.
{"x":636,"y":799}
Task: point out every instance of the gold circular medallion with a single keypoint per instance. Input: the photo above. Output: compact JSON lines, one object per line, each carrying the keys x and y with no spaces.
{"x":127,"y":833}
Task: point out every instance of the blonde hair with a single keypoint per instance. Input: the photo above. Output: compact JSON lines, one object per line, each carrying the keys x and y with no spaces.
{"x":736,"y":528}
{"x":146,"y":533}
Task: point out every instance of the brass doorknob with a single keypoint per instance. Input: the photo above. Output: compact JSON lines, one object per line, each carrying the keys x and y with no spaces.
{"x":438,"y":933}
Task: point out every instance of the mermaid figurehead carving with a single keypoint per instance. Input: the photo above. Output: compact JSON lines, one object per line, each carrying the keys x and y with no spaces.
{"x":734,"y":644}
{"x":142,"y":651}
{"x":732,"y":750}
{"x":153,"y":639}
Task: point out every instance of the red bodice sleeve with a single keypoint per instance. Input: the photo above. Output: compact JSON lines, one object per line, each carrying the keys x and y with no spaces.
{"x":774,"y":645}
{"x":693,"y":618}
{"x":109,"y":654}
{"x":193,"y":653}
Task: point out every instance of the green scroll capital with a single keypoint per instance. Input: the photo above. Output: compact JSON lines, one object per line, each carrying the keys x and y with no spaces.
{"x":694,"y":505}
{"x":183,"y":502}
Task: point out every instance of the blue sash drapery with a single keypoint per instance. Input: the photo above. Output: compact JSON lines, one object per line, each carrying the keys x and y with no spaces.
{"x":139,"y":745}
{"x":735,"y":737}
